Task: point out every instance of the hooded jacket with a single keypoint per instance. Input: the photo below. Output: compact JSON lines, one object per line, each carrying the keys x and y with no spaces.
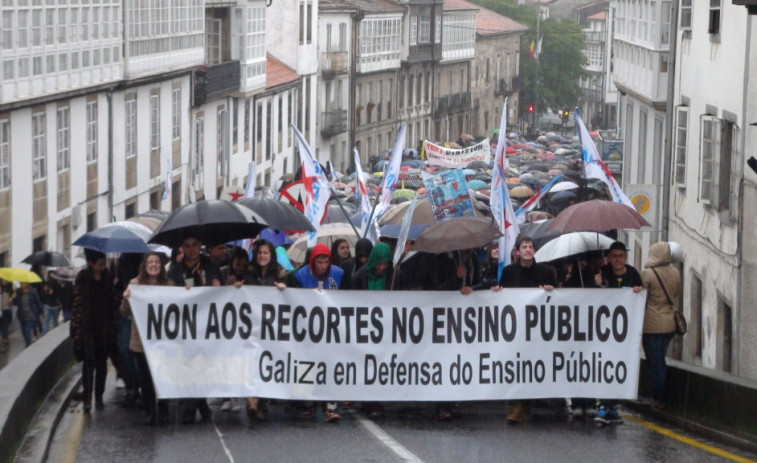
{"x":363,"y":277}
{"x":658,"y":314}
{"x":305,"y":277}
{"x":363,"y":247}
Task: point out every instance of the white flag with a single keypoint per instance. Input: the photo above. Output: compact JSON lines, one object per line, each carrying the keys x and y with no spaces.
{"x":361,"y":192}
{"x":595,"y":168}
{"x":392,"y":173}
{"x":167,"y":183}
{"x":501,"y":206}
{"x":317,"y":187}
{"x":249,"y":192}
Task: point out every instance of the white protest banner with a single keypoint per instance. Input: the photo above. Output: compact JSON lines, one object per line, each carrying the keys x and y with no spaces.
{"x":397,"y":345}
{"x":437,"y":155}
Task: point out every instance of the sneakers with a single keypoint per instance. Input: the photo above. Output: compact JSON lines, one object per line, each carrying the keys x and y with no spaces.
{"x":331,"y":416}
{"x":444,"y":416}
{"x":606,"y":415}
{"x":120,"y":384}
{"x":226,"y":405}
{"x":577,"y":412}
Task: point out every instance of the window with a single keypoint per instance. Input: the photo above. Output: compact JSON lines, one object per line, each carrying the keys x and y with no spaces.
{"x":222,"y":150}
{"x":413,"y":30}
{"x":7,"y":30}
{"x":424,"y":31}
{"x":682,"y":125}
{"x":642,"y":150}
{"x":213,"y":41}
{"x":715,"y":9}
{"x":199,"y":161}
{"x":154,"y":122}
{"x":91,"y":131}
{"x":63,"y":138}
{"x":131,"y":127}
{"x":342,"y":37}
{"x":247,"y":120}
{"x":235,"y":122}
{"x":686,"y":14}
{"x":710,"y":147}
{"x":39,"y":153}
{"x":130,"y":210}
{"x":726,"y":187}
{"x":5,"y":153}
{"x":176,"y":113}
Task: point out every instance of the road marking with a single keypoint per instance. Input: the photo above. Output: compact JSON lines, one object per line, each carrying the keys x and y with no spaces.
{"x":223,"y":442}
{"x":399,"y":449}
{"x":686,"y":440}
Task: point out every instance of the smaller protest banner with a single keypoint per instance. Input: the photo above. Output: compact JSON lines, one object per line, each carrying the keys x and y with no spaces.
{"x":437,"y":155}
{"x":448,"y":195}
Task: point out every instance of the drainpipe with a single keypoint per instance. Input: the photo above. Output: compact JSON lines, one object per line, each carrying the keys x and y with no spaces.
{"x":109,"y":97}
{"x":670,"y":105}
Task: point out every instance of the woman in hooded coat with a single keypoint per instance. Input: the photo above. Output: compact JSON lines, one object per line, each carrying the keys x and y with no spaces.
{"x":378,"y":273}
{"x":662,"y":280}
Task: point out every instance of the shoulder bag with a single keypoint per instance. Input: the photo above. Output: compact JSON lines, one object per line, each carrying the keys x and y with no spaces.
{"x":681,"y":325}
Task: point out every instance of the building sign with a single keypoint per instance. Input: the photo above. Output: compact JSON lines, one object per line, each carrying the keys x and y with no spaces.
{"x":612,"y":155}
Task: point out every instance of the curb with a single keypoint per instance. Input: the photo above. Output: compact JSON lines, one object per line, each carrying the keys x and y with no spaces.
{"x":695,"y":427}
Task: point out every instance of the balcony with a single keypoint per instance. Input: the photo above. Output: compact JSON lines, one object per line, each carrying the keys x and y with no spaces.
{"x":425,"y":52}
{"x":452,"y":103}
{"x":333,"y":63}
{"x":500,"y":87}
{"x":215,"y":82}
{"x":333,"y":122}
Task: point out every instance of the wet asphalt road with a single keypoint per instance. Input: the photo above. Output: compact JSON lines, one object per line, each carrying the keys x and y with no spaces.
{"x":406,"y":432}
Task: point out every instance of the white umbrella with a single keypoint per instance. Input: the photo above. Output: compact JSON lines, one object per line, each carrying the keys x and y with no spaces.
{"x":571,"y":244}
{"x":563,"y":186}
{"x":329,"y":233}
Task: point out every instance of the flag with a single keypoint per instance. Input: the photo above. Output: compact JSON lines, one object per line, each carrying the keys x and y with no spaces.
{"x":167,"y":183}
{"x":501,"y":206}
{"x":529,"y":205}
{"x":595,"y":168}
{"x":502,"y":136}
{"x":532,"y":50}
{"x":538,"y":48}
{"x":391,"y":174}
{"x":317,"y":187}
{"x":249,"y":192}
{"x":400,"y":248}
{"x":361,"y":193}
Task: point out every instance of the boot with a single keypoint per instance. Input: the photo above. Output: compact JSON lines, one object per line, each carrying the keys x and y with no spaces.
{"x":518,"y":413}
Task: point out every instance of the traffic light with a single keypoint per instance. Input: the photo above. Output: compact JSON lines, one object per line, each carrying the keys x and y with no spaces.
{"x":530,"y":108}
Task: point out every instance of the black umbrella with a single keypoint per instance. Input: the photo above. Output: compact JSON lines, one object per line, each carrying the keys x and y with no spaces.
{"x":278,"y":214}
{"x":47,"y":259}
{"x":477,"y":165}
{"x":212,"y":222}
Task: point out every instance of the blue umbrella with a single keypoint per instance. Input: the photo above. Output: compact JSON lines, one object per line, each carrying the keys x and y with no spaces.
{"x":277,"y":237}
{"x":117,"y":237}
{"x":476,"y":184}
{"x":393,"y":231}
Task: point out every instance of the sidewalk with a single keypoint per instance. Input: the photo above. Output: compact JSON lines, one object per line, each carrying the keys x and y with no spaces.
{"x":17,"y":344}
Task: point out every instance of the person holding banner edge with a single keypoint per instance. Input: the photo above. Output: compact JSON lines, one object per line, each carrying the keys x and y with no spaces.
{"x":524,"y":273}
{"x":151,"y":272}
{"x":616,"y":274}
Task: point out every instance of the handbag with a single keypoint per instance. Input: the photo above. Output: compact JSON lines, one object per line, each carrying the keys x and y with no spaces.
{"x":681,"y":325}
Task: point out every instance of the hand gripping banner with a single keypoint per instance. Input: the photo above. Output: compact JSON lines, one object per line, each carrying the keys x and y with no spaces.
{"x":394,"y":346}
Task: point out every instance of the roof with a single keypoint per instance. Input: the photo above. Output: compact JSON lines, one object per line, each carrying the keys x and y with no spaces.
{"x":488,"y":22}
{"x":367,"y":6}
{"x":601,"y":16}
{"x":456,"y":5}
{"x":278,"y":73}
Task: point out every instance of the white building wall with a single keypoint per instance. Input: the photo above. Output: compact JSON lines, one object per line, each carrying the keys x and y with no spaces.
{"x":706,"y":66}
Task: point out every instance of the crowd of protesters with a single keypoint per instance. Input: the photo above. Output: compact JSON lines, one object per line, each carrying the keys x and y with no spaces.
{"x":101,"y":325}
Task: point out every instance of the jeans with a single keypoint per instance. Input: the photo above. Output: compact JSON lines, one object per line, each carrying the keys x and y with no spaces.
{"x":5,"y":323}
{"x":655,"y":347}
{"x":27,"y":328}
{"x":94,"y":371}
{"x":51,"y":314}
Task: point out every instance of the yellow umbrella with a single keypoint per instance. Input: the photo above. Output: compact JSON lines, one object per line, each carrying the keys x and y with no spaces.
{"x":19,"y":274}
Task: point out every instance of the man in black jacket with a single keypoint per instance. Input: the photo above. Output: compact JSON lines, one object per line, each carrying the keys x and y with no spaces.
{"x":525,"y":273}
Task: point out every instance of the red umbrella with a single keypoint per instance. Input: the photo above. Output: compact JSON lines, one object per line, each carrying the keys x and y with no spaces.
{"x":597,"y":215}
